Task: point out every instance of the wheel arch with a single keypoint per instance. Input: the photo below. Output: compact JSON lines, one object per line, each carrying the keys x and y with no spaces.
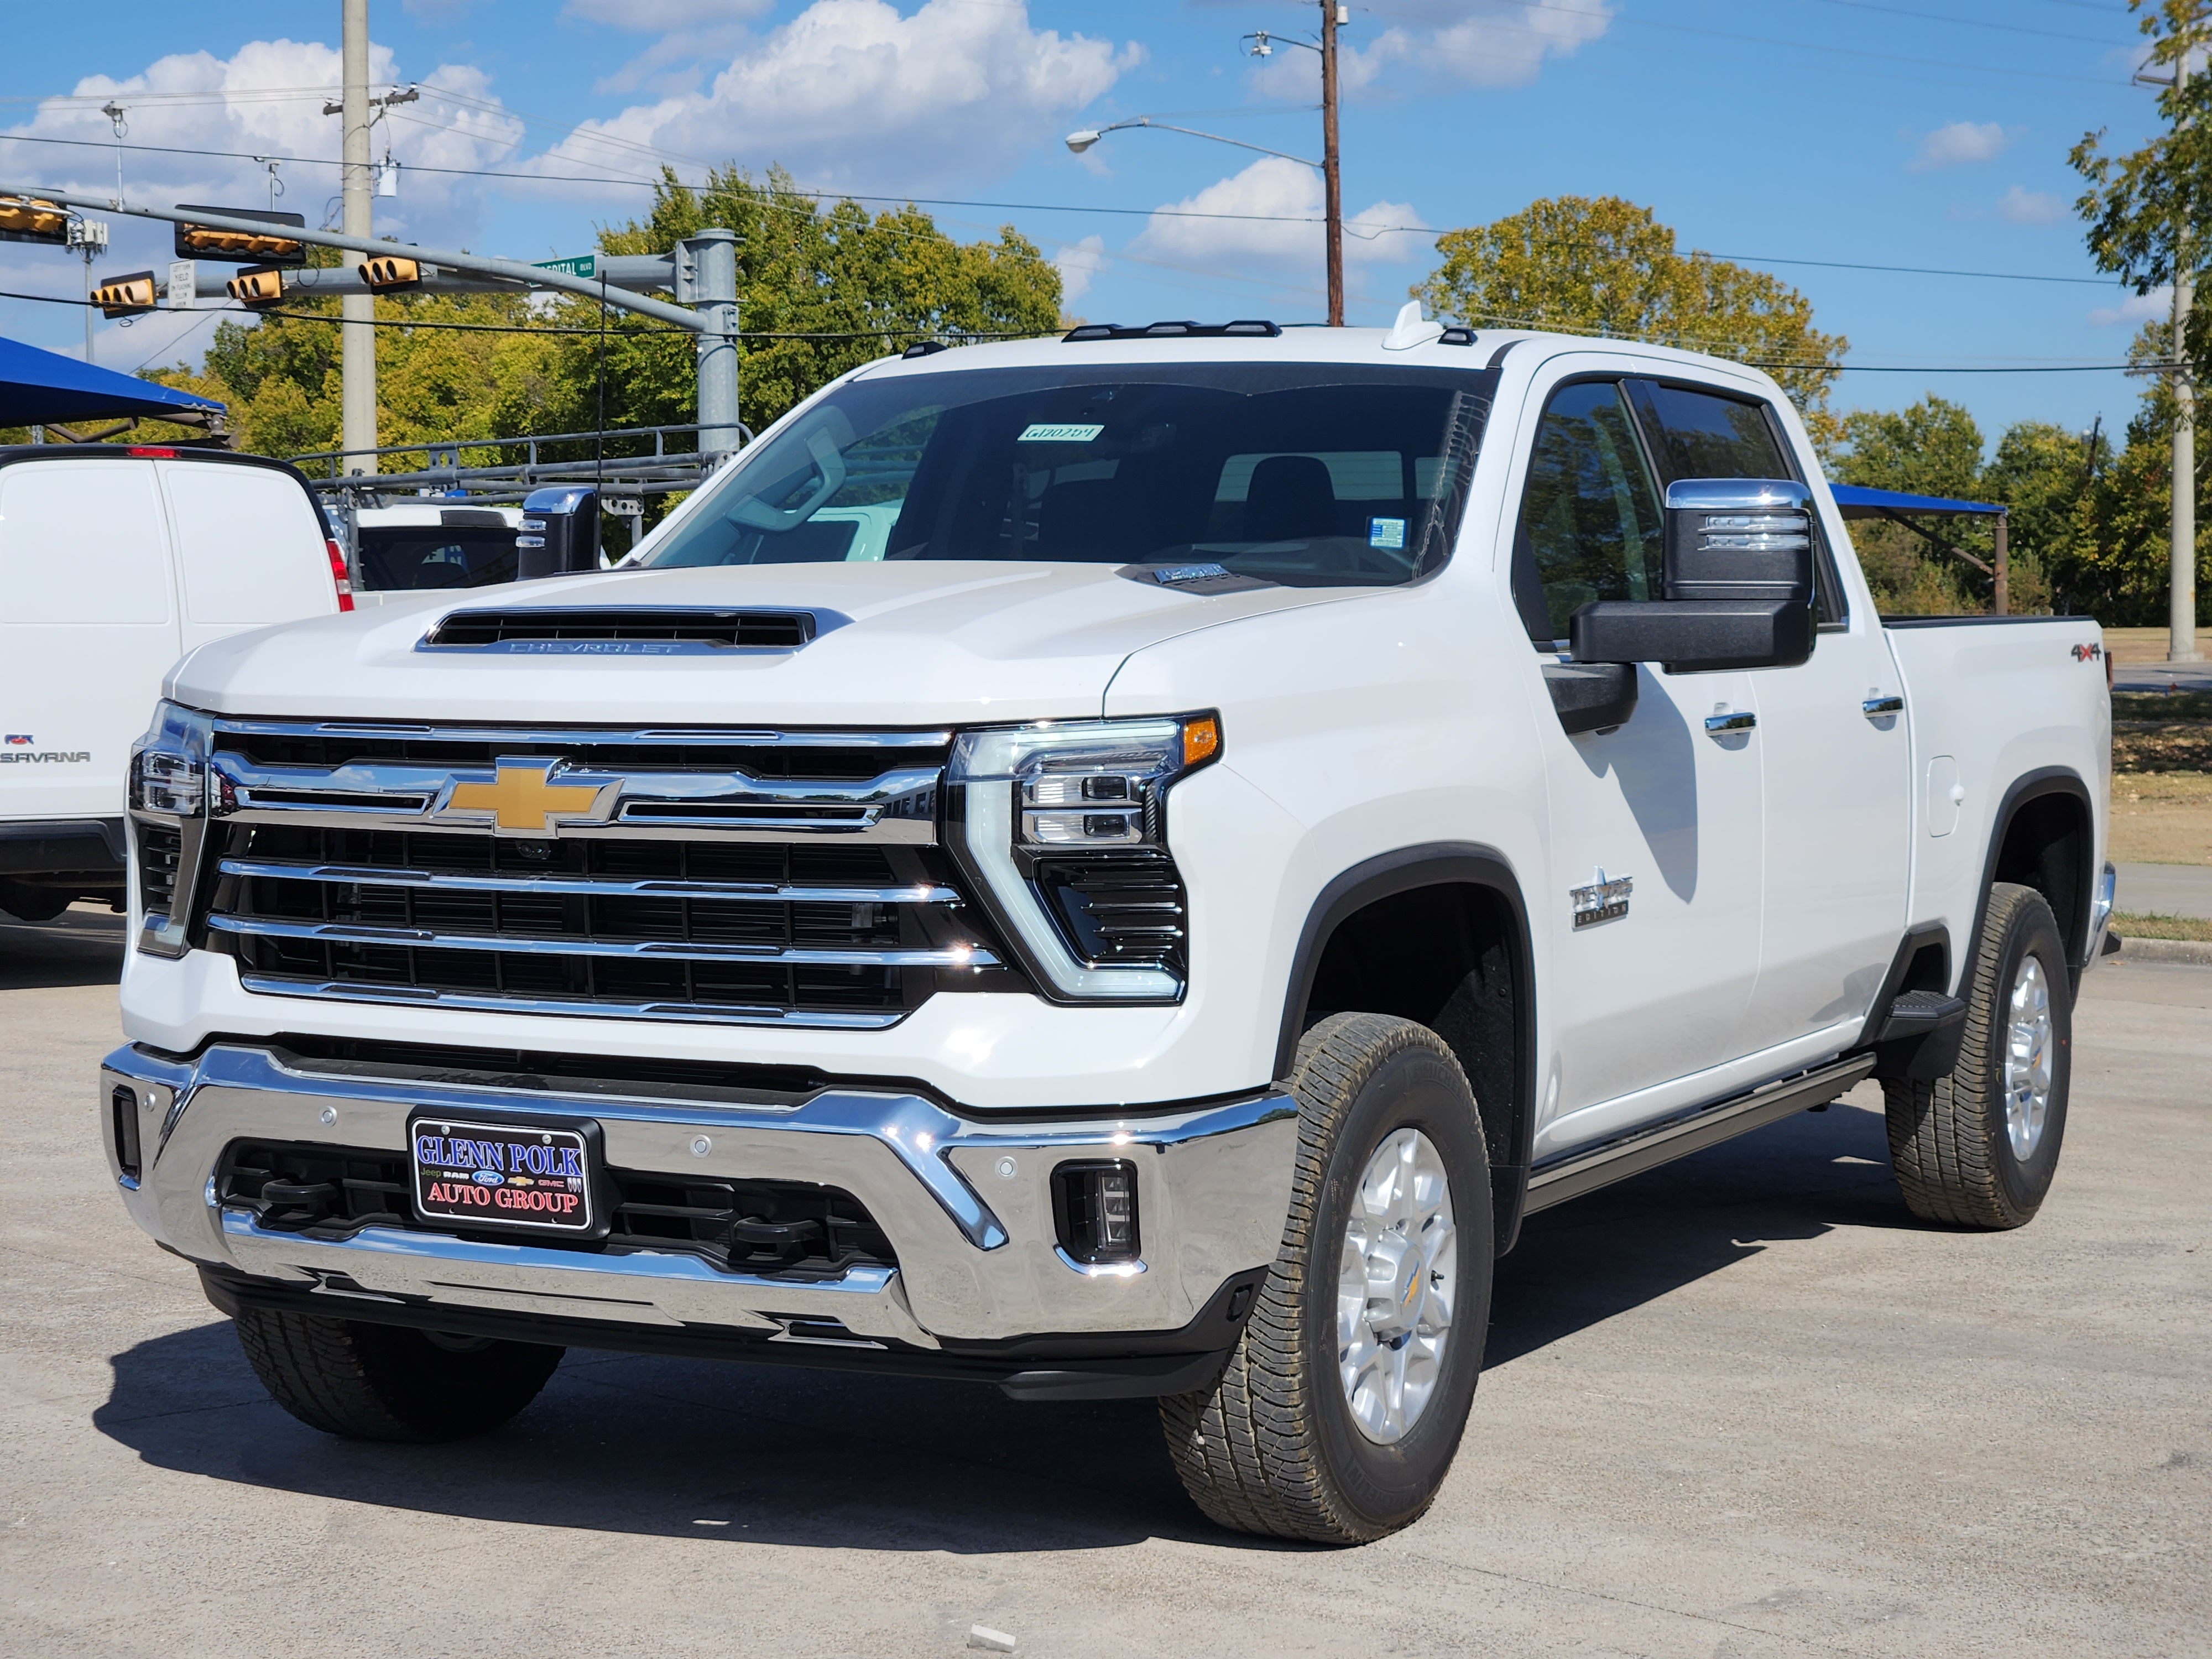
{"x":2044,"y":836}
{"x":1470,"y":976}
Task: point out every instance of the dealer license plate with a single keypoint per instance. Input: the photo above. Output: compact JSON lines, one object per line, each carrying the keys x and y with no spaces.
{"x":541,"y":1178}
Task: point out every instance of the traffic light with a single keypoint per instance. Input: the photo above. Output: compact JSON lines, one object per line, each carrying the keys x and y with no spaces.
{"x":387,"y":271}
{"x":258,"y":289}
{"x":30,"y":219}
{"x":125,"y":296}
{"x":242,"y":246}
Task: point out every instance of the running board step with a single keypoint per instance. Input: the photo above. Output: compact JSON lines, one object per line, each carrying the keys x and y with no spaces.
{"x":1555,"y":1183}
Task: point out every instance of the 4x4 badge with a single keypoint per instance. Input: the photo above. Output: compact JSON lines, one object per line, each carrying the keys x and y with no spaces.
{"x":1603,"y":900}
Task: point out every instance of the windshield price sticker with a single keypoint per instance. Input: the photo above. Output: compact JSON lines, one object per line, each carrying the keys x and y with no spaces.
{"x":1047,"y":433}
{"x":504,"y":1175}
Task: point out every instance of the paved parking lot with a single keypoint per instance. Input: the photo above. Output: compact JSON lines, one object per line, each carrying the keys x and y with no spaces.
{"x":1740,"y":1407}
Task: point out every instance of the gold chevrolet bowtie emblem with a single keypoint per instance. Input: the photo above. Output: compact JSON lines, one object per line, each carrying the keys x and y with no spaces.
{"x":522,"y":798}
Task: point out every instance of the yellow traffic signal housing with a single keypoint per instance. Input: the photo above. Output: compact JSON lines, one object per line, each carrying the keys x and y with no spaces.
{"x":257,"y":290}
{"x":31,"y":219}
{"x":125,"y":296}
{"x":386,"y":271}
{"x":267,"y":247}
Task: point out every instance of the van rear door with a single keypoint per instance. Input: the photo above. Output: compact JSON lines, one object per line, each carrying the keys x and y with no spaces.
{"x":249,"y":548}
{"x":87,"y":627}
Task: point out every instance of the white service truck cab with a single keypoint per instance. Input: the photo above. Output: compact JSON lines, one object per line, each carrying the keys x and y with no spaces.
{"x":114,"y":562}
{"x":1116,"y":865}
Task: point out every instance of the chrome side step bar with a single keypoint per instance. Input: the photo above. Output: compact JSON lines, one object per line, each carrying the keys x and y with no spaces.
{"x":1585,"y":1172}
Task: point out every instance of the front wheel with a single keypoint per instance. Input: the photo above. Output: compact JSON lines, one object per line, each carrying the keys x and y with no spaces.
{"x":1339,"y":1412}
{"x":1978,"y":1147}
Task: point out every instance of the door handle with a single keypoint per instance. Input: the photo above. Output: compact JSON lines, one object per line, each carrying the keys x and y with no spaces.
{"x":1874,"y":707}
{"x":1741,"y":720}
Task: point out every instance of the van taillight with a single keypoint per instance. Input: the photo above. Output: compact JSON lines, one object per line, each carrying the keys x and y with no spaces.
{"x":343,"y":582}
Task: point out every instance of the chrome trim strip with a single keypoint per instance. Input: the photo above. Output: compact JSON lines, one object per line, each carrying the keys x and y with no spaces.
{"x":370,"y":875}
{"x":423,"y":938}
{"x":681,"y":1013}
{"x":662,"y":735}
{"x":632,"y":1264}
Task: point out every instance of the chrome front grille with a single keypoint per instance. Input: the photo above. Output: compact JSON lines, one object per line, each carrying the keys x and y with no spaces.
{"x":748,"y":878}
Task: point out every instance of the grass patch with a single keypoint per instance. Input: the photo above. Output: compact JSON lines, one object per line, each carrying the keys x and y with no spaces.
{"x":2129,"y":925}
{"x":2162,"y":706}
{"x":2162,"y":817}
{"x":2159,"y":731}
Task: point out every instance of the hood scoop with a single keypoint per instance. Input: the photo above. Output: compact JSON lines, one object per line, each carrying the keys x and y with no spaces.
{"x":654,"y":631}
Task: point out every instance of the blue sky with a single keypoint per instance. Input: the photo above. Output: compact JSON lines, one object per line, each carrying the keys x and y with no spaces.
{"x":1929,"y":133}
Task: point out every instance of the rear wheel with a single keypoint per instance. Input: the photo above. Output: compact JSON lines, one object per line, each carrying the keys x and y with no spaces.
{"x":1978,"y":1147}
{"x":367,"y":1381}
{"x":1340,"y":1410}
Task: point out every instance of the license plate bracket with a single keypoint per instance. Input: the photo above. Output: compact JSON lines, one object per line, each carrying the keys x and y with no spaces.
{"x":529,"y":1174}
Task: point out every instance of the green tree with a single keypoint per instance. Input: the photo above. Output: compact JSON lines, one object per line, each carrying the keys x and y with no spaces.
{"x":1602,"y":265}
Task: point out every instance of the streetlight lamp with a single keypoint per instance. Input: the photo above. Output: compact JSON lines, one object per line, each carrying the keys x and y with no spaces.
{"x":1263,"y":46}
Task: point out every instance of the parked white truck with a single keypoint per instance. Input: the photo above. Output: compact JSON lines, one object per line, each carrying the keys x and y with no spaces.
{"x":1270,"y":809}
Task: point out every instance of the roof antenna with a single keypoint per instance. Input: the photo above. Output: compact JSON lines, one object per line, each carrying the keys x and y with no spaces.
{"x":1411,"y":329}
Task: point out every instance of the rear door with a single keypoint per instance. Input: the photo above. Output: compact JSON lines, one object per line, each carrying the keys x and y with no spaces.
{"x":1837,"y":767}
{"x":87,"y":627}
{"x":1651,"y":979}
{"x":250,"y":548}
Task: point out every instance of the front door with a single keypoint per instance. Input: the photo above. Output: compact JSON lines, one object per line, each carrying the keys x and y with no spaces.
{"x":1838,"y":766}
{"x":1650,"y":979}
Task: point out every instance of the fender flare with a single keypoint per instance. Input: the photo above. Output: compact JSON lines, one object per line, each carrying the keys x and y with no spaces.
{"x":1429,"y":864}
{"x":2034,"y":785}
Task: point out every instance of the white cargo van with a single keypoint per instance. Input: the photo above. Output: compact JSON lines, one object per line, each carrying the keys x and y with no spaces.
{"x":114,"y":562}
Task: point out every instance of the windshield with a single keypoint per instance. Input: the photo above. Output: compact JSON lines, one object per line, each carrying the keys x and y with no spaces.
{"x":426,"y":556}
{"x":1304,"y":474}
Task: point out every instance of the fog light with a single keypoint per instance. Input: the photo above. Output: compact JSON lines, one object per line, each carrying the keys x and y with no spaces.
{"x":122,"y":1105}
{"x":1094,"y":1209}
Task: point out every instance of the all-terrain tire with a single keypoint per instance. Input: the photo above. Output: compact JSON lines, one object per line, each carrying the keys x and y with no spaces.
{"x":1273,"y":1447}
{"x":366,"y":1382}
{"x":1949,"y":1142}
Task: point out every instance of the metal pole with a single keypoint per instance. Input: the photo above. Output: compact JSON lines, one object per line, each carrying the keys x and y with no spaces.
{"x":1332,"y":186}
{"x":715,"y":254}
{"x":87,"y":303}
{"x":358,"y":334}
{"x":2181,"y":607}
{"x":2001,"y":565}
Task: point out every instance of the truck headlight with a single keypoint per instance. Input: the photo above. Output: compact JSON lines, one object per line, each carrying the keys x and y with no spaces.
{"x":168,"y":824}
{"x":1065,"y":824}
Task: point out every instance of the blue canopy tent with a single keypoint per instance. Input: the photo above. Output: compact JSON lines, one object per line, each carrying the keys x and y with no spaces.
{"x":41,"y":388}
{"x":1855,"y":501}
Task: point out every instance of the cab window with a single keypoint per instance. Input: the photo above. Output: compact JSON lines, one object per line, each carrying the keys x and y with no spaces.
{"x":1589,"y":526}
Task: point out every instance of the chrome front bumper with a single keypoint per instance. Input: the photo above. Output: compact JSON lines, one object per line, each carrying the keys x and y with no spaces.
{"x":966,"y":1202}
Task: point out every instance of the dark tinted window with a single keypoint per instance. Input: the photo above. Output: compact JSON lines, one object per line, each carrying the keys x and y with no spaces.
{"x":403,"y":556}
{"x":1299,"y":473}
{"x":1590,"y":517}
{"x":1699,"y":435}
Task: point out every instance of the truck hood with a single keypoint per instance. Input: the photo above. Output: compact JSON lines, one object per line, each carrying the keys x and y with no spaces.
{"x":925,"y":644}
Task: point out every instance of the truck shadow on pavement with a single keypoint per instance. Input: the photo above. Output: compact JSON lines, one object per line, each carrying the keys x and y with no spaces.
{"x":831,"y":1460}
{"x":81,"y":947}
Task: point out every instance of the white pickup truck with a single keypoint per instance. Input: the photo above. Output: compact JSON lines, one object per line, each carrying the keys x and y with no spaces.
{"x":1146,"y":908}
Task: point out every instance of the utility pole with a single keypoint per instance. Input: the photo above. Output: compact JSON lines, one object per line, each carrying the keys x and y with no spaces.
{"x":2181,"y":603}
{"x":1332,"y":184}
{"x":709,"y":260}
{"x":357,"y":364}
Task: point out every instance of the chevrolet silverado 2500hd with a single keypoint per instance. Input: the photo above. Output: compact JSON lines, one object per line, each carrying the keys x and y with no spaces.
{"x":1115,"y":866}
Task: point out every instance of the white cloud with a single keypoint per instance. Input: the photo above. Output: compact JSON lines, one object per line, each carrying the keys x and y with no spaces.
{"x":1078,"y":262}
{"x":2019,"y":206}
{"x":1429,"y":43}
{"x":650,"y":16}
{"x":1274,"y":209}
{"x":1959,"y":144}
{"x":850,"y":82}
{"x":2157,"y":306}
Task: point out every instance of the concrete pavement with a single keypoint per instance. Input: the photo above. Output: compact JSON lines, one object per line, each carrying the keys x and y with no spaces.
{"x":1744,"y":1406}
{"x":2165,"y":890}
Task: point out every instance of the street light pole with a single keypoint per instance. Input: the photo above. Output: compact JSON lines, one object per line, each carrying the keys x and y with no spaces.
{"x":357,"y":335}
{"x":1332,"y":184}
{"x":2181,"y":603}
